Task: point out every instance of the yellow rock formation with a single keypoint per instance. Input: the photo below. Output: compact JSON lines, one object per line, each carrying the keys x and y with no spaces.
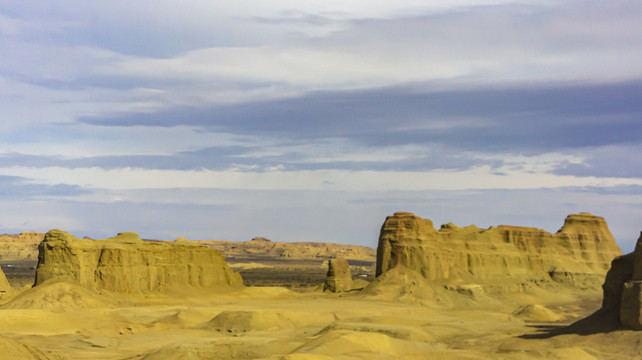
{"x":579,"y":254}
{"x":623,"y":288}
{"x":127,"y":264}
{"x":4,"y":284}
{"x":537,"y":312}
{"x":338,"y":277}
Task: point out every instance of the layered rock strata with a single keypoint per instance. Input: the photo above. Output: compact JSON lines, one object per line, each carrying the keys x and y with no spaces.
{"x":623,"y":288}
{"x":578,"y":254}
{"x":338,"y":278}
{"x":127,"y":264}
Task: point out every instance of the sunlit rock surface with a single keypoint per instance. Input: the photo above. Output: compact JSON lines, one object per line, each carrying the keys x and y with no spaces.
{"x":128,"y":264}
{"x":338,"y":278}
{"x":579,"y":254}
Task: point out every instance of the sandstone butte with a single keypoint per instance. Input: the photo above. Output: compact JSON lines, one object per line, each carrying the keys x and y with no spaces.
{"x":579,"y":254}
{"x":338,"y":278}
{"x":127,"y":264}
{"x":623,"y":288}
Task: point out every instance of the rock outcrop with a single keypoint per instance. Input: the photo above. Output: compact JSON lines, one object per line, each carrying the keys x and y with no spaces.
{"x":579,"y":254}
{"x":623,"y":288}
{"x":127,"y":264}
{"x":339,"y":278}
{"x":4,"y":284}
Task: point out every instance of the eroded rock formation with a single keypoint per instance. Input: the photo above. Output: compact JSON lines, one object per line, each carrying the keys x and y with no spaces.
{"x":623,"y":288}
{"x":127,"y":264}
{"x":4,"y":284}
{"x":579,"y":254}
{"x":338,"y":278}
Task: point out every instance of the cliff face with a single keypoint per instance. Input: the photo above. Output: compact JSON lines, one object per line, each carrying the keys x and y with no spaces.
{"x":623,"y":288}
{"x":579,"y":253}
{"x":128,"y":264}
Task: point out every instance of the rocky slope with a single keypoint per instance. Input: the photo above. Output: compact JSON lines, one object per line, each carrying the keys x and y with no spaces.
{"x":127,"y":264}
{"x":579,"y":254}
{"x":23,"y":246}
{"x":262,"y":247}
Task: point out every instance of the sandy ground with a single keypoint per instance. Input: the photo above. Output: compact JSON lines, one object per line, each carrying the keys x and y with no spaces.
{"x":65,"y":321}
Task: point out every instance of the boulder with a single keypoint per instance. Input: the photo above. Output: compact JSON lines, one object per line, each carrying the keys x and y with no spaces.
{"x":127,"y":264}
{"x":579,"y":254}
{"x":338,"y":278}
{"x":631,"y":305}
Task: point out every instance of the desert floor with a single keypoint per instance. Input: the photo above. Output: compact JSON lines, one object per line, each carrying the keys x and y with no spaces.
{"x":63,"y":320}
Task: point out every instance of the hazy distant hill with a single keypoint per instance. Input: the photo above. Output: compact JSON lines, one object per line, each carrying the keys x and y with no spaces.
{"x":23,"y":246}
{"x":263,"y":248}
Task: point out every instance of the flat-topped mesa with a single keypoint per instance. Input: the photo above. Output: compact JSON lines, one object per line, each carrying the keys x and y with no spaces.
{"x":579,"y":253}
{"x":127,"y":264}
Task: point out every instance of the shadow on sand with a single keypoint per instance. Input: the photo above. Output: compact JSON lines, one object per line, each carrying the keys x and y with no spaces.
{"x":601,"y":321}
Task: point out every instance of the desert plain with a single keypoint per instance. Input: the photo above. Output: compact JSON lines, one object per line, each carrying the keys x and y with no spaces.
{"x":505,"y":292}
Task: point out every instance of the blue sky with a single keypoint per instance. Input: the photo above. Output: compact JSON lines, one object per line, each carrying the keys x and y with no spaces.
{"x":312,"y":121}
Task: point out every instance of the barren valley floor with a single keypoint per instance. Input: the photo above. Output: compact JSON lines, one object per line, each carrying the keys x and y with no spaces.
{"x":276,"y":323}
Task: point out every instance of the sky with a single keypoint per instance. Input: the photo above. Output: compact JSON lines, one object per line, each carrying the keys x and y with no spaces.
{"x":314,"y":120}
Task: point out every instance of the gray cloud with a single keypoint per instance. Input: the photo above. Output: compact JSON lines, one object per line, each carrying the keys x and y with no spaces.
{"x":13,"y":187}
{"x":250,"y":159}
{"x":608,"y":161}
{"x":517,"y":119}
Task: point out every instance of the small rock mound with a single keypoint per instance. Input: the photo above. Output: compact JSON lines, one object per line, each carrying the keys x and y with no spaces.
{"x":344,"y":343}
{"x":58,"y":297}
{"x":260,"y":238}
{"x":537,"y":313}
{"x":338,"y":278}
{"x":243,"y":321}
{"x":180,"y":319}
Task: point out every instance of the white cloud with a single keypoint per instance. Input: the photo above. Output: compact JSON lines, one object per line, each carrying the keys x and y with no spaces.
{"x":481,"y":177}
